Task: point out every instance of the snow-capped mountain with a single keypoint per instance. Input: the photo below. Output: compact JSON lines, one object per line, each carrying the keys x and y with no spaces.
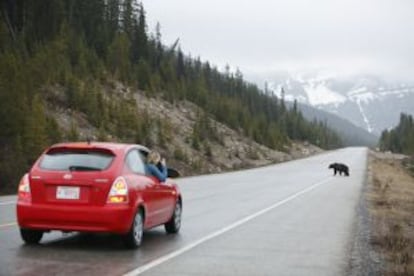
{"x":367,"y":101}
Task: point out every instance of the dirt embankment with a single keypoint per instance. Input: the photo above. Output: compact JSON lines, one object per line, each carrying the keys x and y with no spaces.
{"x":385,"y":239}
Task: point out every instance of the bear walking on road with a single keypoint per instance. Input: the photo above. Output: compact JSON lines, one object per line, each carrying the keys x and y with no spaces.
{"x":341,"y":168}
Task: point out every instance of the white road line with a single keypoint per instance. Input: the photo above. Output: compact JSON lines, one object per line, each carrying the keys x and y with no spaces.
{"x":8,"y":224}
{"x":8,"y":202}
{"x":163,"y":259}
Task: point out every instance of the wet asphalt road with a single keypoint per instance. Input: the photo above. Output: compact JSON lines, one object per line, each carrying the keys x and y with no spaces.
{"x":293,"y":218}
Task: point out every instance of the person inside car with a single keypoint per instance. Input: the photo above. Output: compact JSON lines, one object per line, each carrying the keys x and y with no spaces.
{"x":156,"y":166}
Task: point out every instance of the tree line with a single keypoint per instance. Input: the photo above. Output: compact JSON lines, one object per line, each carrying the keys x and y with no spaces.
{"x":68,"y":52}
{"x":400,"y":139}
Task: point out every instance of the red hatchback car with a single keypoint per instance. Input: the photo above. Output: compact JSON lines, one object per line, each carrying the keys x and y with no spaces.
{"x":96,"y":187}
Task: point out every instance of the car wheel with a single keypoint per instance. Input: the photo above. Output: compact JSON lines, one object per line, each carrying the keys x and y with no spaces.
{"x":31,"y":236}
{"x":133,"y":238}
{"x":174,"y":224}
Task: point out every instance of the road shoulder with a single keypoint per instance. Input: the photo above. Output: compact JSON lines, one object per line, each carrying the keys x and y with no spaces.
{"x":384,"y":240}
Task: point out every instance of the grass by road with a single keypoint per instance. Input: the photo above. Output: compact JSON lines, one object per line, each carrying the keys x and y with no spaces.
{"x":390,"y":200}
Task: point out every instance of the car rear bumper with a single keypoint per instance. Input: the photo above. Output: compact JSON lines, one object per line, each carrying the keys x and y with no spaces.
{"x":109,"y":218}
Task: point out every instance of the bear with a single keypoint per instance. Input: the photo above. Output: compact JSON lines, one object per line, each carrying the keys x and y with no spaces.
{"x":339,"y":167}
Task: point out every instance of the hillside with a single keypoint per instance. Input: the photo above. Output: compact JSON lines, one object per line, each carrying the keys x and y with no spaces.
{"x":223,"y":149}
{"x":73,"y":68}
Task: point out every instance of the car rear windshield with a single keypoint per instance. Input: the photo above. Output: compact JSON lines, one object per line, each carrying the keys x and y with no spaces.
{"x":76,"y":160}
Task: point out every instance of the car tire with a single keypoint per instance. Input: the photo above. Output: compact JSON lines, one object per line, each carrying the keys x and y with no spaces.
{"x":174,"y":224}
{"x":133,"y":238}
{"x":31,"y":236}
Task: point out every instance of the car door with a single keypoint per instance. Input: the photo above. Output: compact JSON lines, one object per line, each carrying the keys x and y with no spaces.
{"x":144,"y":186}
{"x":166,"y":195}
{"x":164,"y":192}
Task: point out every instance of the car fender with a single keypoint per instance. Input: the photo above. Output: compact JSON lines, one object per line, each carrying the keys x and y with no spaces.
{"x":139,"y":203}
{"x":177,"y":193}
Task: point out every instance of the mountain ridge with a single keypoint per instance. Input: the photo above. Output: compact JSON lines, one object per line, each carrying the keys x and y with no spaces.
{"x":368,"y":101}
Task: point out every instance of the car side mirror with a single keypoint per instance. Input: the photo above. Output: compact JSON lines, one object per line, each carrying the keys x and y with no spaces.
{"x":172,"y":173}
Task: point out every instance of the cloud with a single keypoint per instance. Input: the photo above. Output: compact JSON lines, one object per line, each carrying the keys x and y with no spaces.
{"x":348,"y":35}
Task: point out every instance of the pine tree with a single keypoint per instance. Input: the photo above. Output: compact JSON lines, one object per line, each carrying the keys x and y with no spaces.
{"x":401,"y":138}
{"x":35,"y":137}
{"x":119,"y":57}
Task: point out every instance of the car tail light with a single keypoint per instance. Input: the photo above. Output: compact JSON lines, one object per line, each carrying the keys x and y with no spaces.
{"x":119,"y":191}
{"x":24,"y":193}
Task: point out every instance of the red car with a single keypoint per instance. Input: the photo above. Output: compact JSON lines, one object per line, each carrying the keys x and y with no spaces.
{"x":96,"y":187}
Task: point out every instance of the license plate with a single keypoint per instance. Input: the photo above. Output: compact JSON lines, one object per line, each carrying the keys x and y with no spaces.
{"x":64,"y":192}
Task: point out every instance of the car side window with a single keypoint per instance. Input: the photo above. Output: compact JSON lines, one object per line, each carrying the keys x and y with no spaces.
{"x":135,"y":163}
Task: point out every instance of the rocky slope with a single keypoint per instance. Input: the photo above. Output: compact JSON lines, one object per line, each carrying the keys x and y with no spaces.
{"x":230,"y":150}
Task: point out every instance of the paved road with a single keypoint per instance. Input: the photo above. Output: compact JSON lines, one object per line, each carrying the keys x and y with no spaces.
{"x":293,"y":218}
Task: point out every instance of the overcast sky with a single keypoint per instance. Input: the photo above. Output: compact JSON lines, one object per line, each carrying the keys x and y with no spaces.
{"x":262,"y":36}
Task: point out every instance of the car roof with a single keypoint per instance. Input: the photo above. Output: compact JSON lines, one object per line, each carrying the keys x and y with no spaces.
{"x":116,"y":148}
